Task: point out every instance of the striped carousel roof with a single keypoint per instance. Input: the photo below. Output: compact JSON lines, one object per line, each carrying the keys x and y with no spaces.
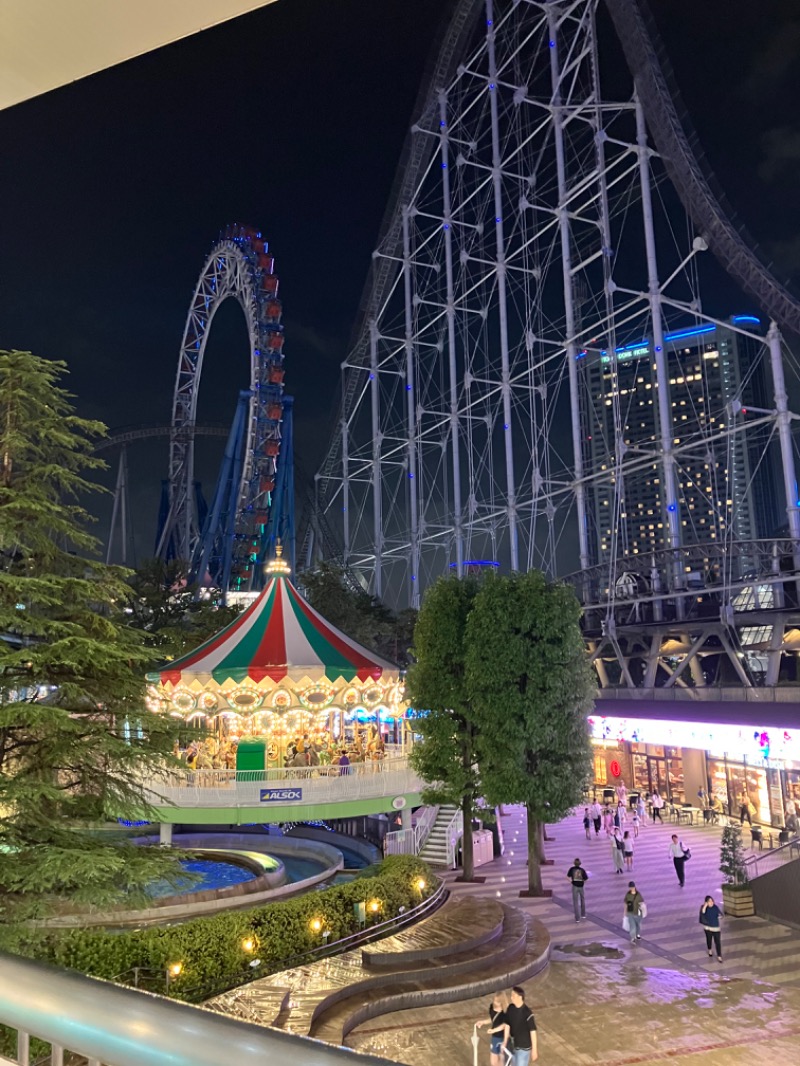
{"x":279,"y":637}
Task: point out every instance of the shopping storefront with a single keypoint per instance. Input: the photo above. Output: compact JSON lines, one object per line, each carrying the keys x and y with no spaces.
{"x":744,"y":766}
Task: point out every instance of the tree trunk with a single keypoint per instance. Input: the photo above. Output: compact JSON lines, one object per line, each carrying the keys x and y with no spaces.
{"x":467,"y":851}
{"x":535,"y":854}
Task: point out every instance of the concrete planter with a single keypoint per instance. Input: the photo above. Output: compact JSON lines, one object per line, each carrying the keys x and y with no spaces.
{"x":737,"y":901}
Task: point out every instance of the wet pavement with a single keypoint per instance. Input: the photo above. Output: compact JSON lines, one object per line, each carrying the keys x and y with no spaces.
{"x":672,"y":935}
{"x":601,"y":1000}
{"x":604,"y":1012}
{"x":605,"y":1001}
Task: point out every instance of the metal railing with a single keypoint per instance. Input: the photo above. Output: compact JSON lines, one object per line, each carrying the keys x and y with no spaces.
{"x":761,"y":863}
{"x":302,"y":785}
{"x":776,"y":892}
{"x":411,"y":841}
{"x":706,"y":693}
{"x":105,"y":1023}
{"x":454,"y":830}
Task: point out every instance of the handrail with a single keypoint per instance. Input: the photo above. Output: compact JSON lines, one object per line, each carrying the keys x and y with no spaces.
{"x":290,"y":774}
{"x":117,"y":1026}
{"x":411,"y":841}
{"x":454,"y":830}
{"x":704,"y":693}
{"x":260,"y":788}
{"x":325,"y":950}
{"x":790,"y":845}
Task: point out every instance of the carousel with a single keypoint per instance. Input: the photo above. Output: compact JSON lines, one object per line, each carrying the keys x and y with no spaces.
{"x":280,"y":686}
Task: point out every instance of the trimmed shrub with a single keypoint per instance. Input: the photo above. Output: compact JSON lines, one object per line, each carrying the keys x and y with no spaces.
{"x":211,"y":951}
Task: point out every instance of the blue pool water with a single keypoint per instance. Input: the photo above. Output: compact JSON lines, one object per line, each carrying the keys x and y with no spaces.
{"x":213,"y":874}
{"x":300,"y":869}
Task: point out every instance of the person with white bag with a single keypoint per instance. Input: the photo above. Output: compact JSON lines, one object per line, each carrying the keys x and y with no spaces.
{"x":635,"y":910}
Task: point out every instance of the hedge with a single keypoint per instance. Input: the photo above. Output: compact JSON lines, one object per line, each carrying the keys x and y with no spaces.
{"x":211,"y":951}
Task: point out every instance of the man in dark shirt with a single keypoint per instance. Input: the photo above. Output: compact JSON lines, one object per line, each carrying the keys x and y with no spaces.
{"x":522,"y":1025}
{"x":578,"y":877}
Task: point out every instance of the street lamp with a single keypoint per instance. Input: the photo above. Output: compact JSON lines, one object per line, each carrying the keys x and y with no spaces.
{"x":174,"y":970}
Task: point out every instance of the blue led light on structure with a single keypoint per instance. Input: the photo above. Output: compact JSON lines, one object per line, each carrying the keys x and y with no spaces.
{"x":689,"y":333}
{"x":747,"y":318}
{"x":672,"y":507}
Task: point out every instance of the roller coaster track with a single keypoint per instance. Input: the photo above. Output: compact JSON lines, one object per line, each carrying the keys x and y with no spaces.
{"x":683,"y":160}
{"x":127,"y":434}
{"x":676,"y":144}
{"x":414,"y":160}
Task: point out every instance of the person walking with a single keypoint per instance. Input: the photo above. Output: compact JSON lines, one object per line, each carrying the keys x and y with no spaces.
{"x":710,"y":918}
{"x":658,"y":806}
{"x":678,"y":854}
{"x":578,"y":877}
{"x":635,"y":822}
{"x":596,"y":812}
{"x":744,"y":807}
{"x":641,"y":809}
{"x":627,"y":849}
{"x":522,"y":1024}
{"x":587,"y":824}
{"x":635,"y":910}
{"x":608,"y":820}
{"x":617,"y":853}
{"x":498,"y":1028}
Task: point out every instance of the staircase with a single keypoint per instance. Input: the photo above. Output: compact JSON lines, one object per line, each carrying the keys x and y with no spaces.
{"x":468,"y":948}
{"x":440,"y":847}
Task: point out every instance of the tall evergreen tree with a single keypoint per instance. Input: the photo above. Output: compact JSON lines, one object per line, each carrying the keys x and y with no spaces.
{"x":530,"y":688}
{"x":75,"y":736}
{"x":437,"y":685}
{"x":165,"y":607}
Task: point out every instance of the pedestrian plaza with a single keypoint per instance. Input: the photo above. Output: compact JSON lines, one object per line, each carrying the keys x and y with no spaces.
{"x":603,"y":1000}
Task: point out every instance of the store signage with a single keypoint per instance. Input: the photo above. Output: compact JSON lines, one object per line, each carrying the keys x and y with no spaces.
{"x":280,"y":795}
{"x":616,"y":769}
{"x":737,"y":742}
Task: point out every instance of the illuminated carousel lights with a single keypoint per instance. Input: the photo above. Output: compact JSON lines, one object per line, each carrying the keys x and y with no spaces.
{"x":208,"y":701}
{"x":282,"y":700}
{"x":184,"y":700}
{"x":245,"y":698}
{"x":316,"y":697}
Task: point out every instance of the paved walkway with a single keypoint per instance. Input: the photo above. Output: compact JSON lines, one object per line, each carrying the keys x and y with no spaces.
{"x":672,"y":935}
{"x":604,"y":1002}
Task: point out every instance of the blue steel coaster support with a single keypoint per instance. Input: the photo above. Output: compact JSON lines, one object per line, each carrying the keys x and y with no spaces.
{"x":281,"y":523}
{"x":220,"y":518}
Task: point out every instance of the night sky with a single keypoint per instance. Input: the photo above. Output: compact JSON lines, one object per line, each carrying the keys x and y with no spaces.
{"x":113,"y":190}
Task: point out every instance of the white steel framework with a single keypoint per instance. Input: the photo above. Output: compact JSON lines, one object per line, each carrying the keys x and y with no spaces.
{"x":537,"y":233}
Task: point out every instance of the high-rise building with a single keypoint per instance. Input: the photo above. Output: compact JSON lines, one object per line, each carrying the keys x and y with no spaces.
{"x":727,"y":477}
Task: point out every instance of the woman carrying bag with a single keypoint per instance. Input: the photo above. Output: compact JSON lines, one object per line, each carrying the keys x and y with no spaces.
{"x":635,"y":910}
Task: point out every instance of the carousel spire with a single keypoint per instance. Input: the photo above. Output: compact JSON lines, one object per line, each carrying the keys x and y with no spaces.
{"x":278,"y":565}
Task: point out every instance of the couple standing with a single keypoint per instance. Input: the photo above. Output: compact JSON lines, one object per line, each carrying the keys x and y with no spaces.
{"x":512,"y":1029}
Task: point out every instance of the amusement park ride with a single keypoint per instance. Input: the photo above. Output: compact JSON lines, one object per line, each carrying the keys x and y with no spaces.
{"x":252,"y":507}
{"x":515,"y":375}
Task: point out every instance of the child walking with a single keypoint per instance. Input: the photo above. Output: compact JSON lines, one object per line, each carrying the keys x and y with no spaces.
{"x":627,"y":849}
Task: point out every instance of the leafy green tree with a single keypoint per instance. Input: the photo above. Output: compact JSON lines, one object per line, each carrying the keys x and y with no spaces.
{"x":165,"y":607}
{"x":75,"y":737}
{"x":732,"y":855}
{"x":361,"y":616}
{"x":437,"y":684}
{"x":530,"y":688}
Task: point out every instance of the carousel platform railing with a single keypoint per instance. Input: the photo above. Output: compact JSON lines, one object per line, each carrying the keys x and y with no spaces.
{"x":316,"y":784}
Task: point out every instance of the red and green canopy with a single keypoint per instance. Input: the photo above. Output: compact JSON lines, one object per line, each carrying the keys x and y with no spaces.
{"x":279,"y":638}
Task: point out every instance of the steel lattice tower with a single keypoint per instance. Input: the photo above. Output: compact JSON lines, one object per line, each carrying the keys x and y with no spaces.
{"x":534,"y":232}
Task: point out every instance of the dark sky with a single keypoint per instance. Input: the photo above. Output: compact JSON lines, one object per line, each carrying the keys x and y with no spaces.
{"x":113,"y":190}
